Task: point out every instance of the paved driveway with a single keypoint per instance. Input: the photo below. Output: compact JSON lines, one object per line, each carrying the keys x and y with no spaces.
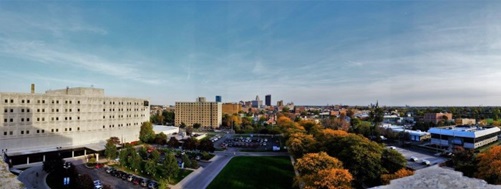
{"x":421,"y":157}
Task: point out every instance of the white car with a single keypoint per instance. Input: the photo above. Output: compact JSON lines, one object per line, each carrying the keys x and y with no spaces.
{"x":98,"y":184}
{"x":415,"y":159}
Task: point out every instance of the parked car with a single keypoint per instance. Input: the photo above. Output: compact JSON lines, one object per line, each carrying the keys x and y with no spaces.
{"x":125,"y":176}
{"x":152,"y":185}
{"x":144,"y":182}
{"x":99,"y":165}
{"x":136,"y":180}
{"x":130,"y":178}
{"x":415,"y":159}
{"x":426,"y":162}
{"x":109,"y":170}
{"x":98,"y":184}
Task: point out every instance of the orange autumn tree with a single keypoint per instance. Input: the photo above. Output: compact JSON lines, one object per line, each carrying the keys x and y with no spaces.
{"x":489,"y":165}
{"x":319,"y":170}
{"x":386,"y":178}
{"x":300,"y":143}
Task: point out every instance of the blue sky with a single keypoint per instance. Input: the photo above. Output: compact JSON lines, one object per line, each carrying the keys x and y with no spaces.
{"x":315,"y":53}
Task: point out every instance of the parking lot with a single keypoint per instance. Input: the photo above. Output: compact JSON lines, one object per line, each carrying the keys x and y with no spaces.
{"x":419,"y":158}
{"x":251,"y":142}
{"x":107,"y":179}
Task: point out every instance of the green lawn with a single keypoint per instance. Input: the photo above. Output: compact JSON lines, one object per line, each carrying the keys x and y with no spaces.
{"x":255,"y":172}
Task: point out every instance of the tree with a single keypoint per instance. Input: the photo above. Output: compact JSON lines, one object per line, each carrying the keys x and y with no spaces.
{"x":376,"y":116}
{"x":169,"y":167}
{"x":53,"y":164}
{"x":186,"y":160}
{"x":393,"y":160}
{"x":146,"y":134}
{"x":189,"y":130}
{"x":206,"y":145}
{"x":300,"y":143}
{"x":85,"y":181}
{"x":336,"y":123}
{"x":328,"y":178}
{"x":150,"y":167}
{"x":160,"y":138}
{"x":489,"y":165}
{"x":110,"y":150}
{"x":464,"y":161}
{"x":168,"y":117}
{"x":173,"y":142}
{"x":190,"y":143}
{"x":197,"y":126}
{"x":319,"y":170}
{"x":155,"y":155}
{"x":386,"y":178}
{"x":183,"y":125}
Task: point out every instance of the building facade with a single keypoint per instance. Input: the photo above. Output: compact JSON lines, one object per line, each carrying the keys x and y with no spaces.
{"x":437,"y":117}
{"x":219,"y":99}
{"x":267,"y":100}
{"x":67,"y":118}
{"x":202,"y":112}
{"x":469,"y":137}
{"x":231,"y":108}
{"x":465,"y":121}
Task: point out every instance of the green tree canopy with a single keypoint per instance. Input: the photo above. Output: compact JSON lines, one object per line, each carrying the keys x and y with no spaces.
{"x":146,"y":134}
{"x":110,"y":150}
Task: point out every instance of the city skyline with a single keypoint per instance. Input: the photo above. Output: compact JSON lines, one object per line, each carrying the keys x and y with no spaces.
{"x":309,"y":53}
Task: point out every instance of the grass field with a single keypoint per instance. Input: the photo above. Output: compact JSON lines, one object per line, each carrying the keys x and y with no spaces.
{"x":255,"y":172}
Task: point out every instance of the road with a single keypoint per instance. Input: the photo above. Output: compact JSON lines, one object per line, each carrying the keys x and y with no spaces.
{"x":202,"y":177}
{"x":34,"y":177}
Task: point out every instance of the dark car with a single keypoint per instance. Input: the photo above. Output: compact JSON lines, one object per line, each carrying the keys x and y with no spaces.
{"x":125,"y":176}
{"x":152,"y":185}
{"x":130,"y":178}
{"x":99,"y":165}
{"x":136,"y":180}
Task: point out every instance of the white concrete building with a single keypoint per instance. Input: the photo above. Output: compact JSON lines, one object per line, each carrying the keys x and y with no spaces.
{"x":67,"y":119}
{"x":469,"y":137}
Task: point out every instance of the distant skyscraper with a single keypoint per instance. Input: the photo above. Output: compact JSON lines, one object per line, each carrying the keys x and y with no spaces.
{"x":267,"y":100}
{"x":218,"y":99}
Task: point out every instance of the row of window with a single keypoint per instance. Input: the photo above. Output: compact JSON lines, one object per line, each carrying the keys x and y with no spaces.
{"x":121,"y":116}
{"x":65,"y":129}
{"x":6,"y":110}
{"x":121,"y":109}
{"x":68,"y":102}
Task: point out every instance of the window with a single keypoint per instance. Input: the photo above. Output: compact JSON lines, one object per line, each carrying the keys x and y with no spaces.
{"x":43,"y":119}
{"x":66,"y":102}
{"x":57,"y":110}
{"x":57,"y":101}
{"x":70,"y":118}
{"x":11,"y":101}
{"x":57,"y":118}
{"x":5,"y":133}
{"x":103,"y":126}
{"x":52,"y":110}
{"x":5,"y":110}
{"x":57,"y":130}
{"x":22,"y":132}
{"x":38,"y":119}
{"x":38,"y":131}
{"x":79,"y":110}
{"x":70,"y":128}
{"x":22,"y":101}
{"x":78,"y":102}
{"x":52,"y":118}
{"x":43,"y":110}
{"x":104,"y":117}
{"x":70,"y":110}
{"x":28,"y":119}
{"x":38,"y":101}
{"x":43,"y":101}
{"x":65,"y":118}
{"x":11,"y":110}
{"x":70,"y":103}
{"x":22,"y":110}
{"x":22,"y":119}
{"x":11,"y":120}
{"x":78,"y":128}
{"x":104,"y":110}
{"x":5,"y":120}
{"x":11,"y":133}
{"x":65,"y":129}
{"x":43,"y":130}
{"x":52,"y":130}
{"x":52,"y":101}
{"x":6,"y":101}
{"x":27,"y":110}
{"x":28,"y":101}
{"x":78,"y":118}
{"x":27,"y":132}
{"x":38,"y":110}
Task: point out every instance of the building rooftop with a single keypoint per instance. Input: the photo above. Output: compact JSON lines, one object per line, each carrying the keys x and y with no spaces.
{"x":436,"y":177}
{"x":464,"y":131}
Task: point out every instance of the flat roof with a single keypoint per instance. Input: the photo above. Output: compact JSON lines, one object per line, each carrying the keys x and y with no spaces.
{"x":464,"y":131}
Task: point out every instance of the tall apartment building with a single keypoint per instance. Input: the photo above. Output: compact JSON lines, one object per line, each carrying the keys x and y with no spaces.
{"x":231,"y":108}
{"x":200,"y":111}
{"x":67,"y":118}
